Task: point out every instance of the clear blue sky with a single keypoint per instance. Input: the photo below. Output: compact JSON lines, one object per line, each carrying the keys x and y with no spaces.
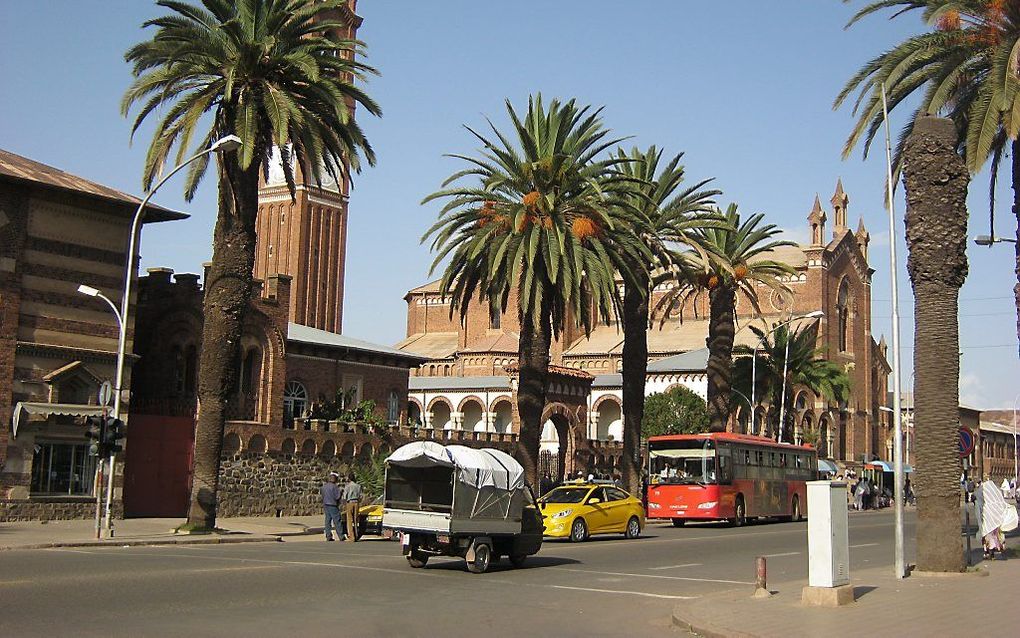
{"x":744,"y":88}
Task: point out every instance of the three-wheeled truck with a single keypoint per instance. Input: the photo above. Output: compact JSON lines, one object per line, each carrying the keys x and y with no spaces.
{"x":452,"y":500}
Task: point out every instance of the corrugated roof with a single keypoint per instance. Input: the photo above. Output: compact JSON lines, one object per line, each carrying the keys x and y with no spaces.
{"x":305,"y":334}
{"x":434,"y":345}
{"x":458,"y":383}
{"x":614,"y":380}
{"x":432,"y":286}
{"x":18,"y":168}
{"x":503,"y":342}
{"x":989,"y":426}
{"x":693,"y":361}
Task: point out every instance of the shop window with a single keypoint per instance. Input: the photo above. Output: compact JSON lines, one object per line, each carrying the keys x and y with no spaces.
{"x":62,"y":468}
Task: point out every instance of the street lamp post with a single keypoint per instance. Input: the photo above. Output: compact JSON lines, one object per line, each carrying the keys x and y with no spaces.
{"x":224,"y":144}
{"x":900,"y":565}
{"x":817,"y":314}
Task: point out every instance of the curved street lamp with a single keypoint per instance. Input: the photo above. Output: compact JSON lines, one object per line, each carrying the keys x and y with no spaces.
{"x":223,"y":145}
{"x":816,"y":314}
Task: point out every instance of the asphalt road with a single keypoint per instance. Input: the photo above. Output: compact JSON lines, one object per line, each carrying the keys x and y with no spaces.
{"x":307,"y":587}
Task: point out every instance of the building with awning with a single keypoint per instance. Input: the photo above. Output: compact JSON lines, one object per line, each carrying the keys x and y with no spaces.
{"x":57,"y":231}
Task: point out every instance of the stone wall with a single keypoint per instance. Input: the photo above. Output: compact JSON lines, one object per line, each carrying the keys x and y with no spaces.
{"x":273,"y":484}
{"x":52,"y":509}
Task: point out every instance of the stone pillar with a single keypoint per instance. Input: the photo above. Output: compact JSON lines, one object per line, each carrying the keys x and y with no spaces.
{"x":593,"y":425}
{"x":489,"y":418}
{"x":456,"y":420}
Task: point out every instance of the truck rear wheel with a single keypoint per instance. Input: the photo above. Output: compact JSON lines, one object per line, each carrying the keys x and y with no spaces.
{"x":417,"y":559}
{"x":483,"y":554}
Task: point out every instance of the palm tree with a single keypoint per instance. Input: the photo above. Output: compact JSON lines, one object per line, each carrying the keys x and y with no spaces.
{"x":537,"y":217}
{"x":935,"y":180}
{"x":965,"y":68}
{"x":276,"y":73}
{"x":737,"y":262}
{"x":673,"y":213}
{"x":805,"y":365}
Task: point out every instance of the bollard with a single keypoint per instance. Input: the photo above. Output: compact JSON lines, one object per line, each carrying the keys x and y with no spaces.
{"x":761,"y":589}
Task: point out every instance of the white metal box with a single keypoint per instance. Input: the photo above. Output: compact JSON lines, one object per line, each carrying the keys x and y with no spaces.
{"x":828,"y":534}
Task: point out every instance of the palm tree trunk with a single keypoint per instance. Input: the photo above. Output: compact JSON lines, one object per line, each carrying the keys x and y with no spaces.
{"x":536,"y":337}
{"x":721,"y":303}
{"x":936,"y":181}
{"x":635,"y":369}
{"x":227,"y":293}
{"x":1016,"y":246}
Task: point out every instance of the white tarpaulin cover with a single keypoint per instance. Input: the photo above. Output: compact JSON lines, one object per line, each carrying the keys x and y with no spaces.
{"x":476,"y":467}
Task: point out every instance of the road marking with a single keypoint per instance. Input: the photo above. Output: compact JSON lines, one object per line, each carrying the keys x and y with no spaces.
{"x":621,"y":591}
{"x":230,"y":569}
{"x":783,"y":554}
{"x":677,"y":566}
{"x":864,"y":545}
{"x":700,"y":580}
{"x":16,"y":582}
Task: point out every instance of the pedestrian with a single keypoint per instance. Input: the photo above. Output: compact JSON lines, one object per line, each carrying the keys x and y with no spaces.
{"x":546,"y":484}
{"x":859,"y":490}
{"x":996,"y":516}
{"x":908,"y":492}
{"x":352,"y":500}
{"x":331,"y":498}
{"x":1005,"y":489}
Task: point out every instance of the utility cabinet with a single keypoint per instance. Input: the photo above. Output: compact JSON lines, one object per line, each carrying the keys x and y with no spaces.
{"x":828,"y":534}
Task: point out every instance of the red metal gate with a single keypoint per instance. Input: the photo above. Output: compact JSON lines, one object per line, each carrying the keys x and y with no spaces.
{"x":157,"y":472}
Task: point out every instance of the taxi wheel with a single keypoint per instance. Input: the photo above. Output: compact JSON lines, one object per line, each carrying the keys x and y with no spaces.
{"x":481,"y":562}
{"x":578,"y":531}
{"x":633,"y":528}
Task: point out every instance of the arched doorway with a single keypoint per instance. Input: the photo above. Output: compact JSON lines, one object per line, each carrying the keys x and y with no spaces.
{"x":473,"y":415}
{"x":609,"y":424}
{"x":414,"y":413}
{"x":441,"y":416}
{"x":504,"y":420}
{"x":559,"y":445}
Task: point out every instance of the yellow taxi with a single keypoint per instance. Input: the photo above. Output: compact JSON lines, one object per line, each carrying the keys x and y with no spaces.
{"x":578,"y":510}
{"x":370,"y":518}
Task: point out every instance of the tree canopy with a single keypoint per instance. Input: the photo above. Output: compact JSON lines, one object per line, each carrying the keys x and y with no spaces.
{"x":675,"y":411}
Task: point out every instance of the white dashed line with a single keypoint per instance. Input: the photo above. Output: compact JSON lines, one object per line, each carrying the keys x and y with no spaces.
{"x":783,"y":554}
{"x":620,"y":591}
{"x":677,"y":566}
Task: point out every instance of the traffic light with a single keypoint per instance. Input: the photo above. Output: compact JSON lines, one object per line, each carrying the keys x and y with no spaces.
{"x":96,"y":433}
{"x":113,"y":435}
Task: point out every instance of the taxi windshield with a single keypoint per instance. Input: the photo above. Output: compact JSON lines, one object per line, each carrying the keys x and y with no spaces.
{"x":566,"y":495}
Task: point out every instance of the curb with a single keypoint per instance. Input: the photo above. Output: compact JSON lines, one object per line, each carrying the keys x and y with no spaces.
{"x":197,"y":540}
{"x":688,"y":621}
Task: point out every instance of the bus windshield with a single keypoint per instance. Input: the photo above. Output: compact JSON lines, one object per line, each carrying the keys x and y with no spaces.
{"x":682,"y":462}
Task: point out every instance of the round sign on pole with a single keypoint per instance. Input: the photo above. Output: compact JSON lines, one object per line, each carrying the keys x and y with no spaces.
{"x":105,"y":393}
{"x":966,"y":441}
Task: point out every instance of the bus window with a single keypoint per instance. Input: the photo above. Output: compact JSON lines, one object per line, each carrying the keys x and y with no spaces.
{"x":747,"y":457}
{"x":782,"y":460}
{"x":759,"y":458}
{"x":725,"y":470}
{"x":799,"y":460}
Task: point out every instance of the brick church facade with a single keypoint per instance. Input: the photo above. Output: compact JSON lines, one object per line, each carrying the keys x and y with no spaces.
{"x":463,"y":386}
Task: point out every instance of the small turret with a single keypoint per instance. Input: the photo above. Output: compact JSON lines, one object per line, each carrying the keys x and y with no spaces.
{"x":816,"y":218}
{"x":863,"y":237}
{"x":840,"y":200}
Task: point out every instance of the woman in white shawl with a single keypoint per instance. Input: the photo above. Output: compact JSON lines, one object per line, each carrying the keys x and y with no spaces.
{"x":997,"y":517}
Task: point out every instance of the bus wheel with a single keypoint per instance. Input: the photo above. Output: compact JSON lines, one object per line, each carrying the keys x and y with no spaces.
{"x":678,"y":522}
{"x":795,"y":510}
{"x":739,"y":513}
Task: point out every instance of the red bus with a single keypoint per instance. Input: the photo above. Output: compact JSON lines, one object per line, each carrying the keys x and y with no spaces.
{"x":726,"y":476}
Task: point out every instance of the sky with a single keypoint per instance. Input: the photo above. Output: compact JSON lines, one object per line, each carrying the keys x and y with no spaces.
{"x":743,"y":88}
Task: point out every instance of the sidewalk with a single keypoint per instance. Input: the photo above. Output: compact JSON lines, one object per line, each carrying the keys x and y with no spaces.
{"x":152,"y":531}
{"x":954,"y":605}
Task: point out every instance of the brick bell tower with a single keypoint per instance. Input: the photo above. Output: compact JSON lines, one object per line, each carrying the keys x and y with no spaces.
{"x":306,"y":237}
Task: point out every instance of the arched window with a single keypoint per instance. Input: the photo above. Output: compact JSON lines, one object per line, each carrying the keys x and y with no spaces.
{"x":295,"y":401}
{"x":190,"y":370}
{"x":393,"y":407}
{"x":843,"y":314}
{"x":250,"y":371}
{"x":179,"y":369}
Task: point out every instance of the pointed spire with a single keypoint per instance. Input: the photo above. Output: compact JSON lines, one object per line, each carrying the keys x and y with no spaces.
{"x":861,"y":230}
{"x":840,"y":201}
{"x":816,"y":219}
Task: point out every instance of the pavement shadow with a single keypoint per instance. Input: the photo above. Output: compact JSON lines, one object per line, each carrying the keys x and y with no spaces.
{"x":861,"y":591}
{"x":532,"y":562}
